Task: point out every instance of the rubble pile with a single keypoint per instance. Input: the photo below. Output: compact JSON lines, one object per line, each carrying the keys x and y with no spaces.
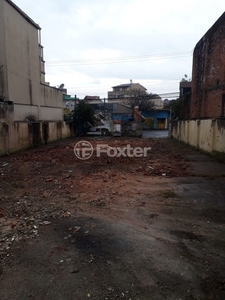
{"x":34,"y":184}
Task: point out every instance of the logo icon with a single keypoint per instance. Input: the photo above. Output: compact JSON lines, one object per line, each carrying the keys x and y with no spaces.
{"x":83,"y":150}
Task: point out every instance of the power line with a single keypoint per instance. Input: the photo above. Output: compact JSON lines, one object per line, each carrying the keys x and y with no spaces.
{"x":164,"y":84}
{"x":164,"y":95}
{"x":118,"y":59}
{"x":174,"y":93}
{"x":145,"y":82}
{"x":101,"y":88}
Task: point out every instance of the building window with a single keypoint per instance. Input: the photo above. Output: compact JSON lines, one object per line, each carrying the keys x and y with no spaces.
{"x":41,"y":52}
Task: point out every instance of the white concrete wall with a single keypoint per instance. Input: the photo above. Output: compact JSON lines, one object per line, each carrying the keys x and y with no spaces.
{"x":55,"y":131}
{"x":208,"y":135}
{"x":4,"y":143}
{"x":219,"y":136}
{"x":66,"y":131}
{"x":205,"y":132}
{"x":23,"y":135}
{"x":18,"y":137}
{"x":24,"y":112}
{"x":50,"y":114}
{"x":6,"y":112}
{"x":192,"y":132}
{"x":51,"y":104}
{"x":51,"y":97}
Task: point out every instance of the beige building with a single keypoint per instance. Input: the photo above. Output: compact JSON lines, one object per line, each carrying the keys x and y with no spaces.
{"x":31,"y":112}
{"x":121,"y":91}
{"x":92,"y":100}
{"x":158,"y":103}
{"x":22,"y":71}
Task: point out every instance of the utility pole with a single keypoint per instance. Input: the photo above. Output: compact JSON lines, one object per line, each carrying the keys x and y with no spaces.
{"x":170,"y":123}
{"x":75,"y":99}
{"x":104,"y":107}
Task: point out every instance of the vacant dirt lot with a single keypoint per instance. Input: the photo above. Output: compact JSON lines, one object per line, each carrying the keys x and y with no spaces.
{"x":112,"y":228}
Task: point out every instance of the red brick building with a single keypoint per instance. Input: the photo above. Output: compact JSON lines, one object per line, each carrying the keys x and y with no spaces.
{"x":208,"y":74}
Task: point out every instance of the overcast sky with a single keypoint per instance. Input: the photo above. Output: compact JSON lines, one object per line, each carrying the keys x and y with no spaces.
{"x":92,"y":45}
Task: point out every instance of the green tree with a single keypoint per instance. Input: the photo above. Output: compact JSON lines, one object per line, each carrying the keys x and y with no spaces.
{"x":177,"y":108}
{"x":84,"y":115}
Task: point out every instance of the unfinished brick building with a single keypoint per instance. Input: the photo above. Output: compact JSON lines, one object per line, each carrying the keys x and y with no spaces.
{"x":208,"y":75}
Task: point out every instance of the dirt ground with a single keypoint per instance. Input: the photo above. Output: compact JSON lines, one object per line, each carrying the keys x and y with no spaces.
{"x":112,"y":228}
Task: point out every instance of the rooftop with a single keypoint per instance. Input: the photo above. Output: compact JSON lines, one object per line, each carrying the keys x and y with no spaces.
{"x":126,"y":85}
{"x":123,"y":85}
{"x":23,"y":14}
{"x":91,"y":98}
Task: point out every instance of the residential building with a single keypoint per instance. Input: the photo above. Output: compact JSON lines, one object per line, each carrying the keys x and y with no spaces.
{"x":31,"y":112}
{"x":121,"y":91}
{"x":69,"y":102}
{"x":156,"y":119}
{"x":157,"y":103}
{"x":111,"y":108}
{"x":185,"y":87}
{"x":22,"y":69}
{"x":92,"y":99}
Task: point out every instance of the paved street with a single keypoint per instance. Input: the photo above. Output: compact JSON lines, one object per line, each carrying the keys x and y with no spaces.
{"x":155,"y":133}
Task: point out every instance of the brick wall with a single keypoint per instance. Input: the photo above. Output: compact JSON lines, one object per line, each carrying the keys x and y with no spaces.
{"x":208,"y":75}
